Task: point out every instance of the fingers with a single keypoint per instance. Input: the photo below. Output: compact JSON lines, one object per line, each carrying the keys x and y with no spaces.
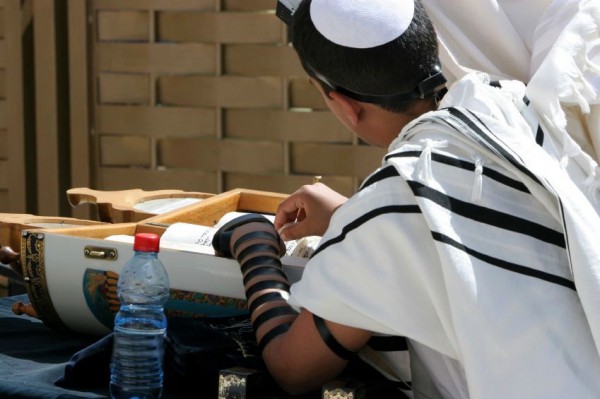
{"x":307,"y":212}
{"x":287,"y":211}
{"x":294,"y":231}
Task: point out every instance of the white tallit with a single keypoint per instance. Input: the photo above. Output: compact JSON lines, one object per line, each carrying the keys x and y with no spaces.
{"x":553,"y":45}
{"x":493,"y":331}
{"x":575,"y":204}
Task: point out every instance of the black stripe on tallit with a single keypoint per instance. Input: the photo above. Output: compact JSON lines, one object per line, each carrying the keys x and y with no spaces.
{"x":539,"y":137}
{"x":489,"y":216}
{"x":388,"y":343}
{"x":458,"y":163}
{"x":382,"y":174}
{"x":365,"y":218}
{"x":513,"y":267}
{"x":484,"y":137}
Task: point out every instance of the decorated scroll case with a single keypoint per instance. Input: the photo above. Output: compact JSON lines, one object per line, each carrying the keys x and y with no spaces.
{"x":71,"y":274}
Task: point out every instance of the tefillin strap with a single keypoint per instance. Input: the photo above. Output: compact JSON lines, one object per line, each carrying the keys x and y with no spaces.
{"x":256,"y":245}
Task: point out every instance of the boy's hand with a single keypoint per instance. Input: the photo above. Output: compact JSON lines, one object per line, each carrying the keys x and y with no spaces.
{"x":307,"y":211}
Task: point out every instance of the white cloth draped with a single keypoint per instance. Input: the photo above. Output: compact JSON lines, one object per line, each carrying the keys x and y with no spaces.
{"x":554,"y":46}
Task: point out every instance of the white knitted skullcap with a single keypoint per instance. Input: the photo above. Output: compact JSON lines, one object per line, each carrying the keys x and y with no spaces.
{"x":362,"y":23}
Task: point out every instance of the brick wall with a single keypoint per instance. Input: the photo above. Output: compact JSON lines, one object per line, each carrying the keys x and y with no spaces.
{"x":206,"y":95}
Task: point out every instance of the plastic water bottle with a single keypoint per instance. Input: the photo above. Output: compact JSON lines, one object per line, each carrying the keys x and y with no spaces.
{"x":140,"y":325}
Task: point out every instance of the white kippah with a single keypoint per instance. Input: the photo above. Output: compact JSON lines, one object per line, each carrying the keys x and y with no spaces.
{"x":362,"y":23}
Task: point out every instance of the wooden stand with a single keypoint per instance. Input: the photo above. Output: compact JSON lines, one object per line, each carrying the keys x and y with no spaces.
{"x":130,"y":205}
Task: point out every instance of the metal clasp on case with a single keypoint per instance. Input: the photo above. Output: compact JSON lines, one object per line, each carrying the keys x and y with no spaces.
{"x":100,"y":253}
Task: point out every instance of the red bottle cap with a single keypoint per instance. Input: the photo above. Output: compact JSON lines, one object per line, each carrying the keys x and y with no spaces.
{"x":146,"y":242}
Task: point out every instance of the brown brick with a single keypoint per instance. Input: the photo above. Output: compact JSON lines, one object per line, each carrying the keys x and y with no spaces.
{"x":229,"y":91}
{"x":155,"y":4}
{"x":2,"y":83}
{"x":4,"y":202}
{"x":3,"y":121}
{"x":2,"y":54}
{"x":156,"y":121}
{"x":223,"y":27}
{"x":125,"y":151}
{"x":261,"y":60}
{"x":285,"y":126}
{"x":2,"y":24}
{"x":344,"y":160}
{"x":123,"y":26}
{"x":248,"y":5}
{"x":4,"y":147}
{"x":156,"y":58}
{"x":189,"y":154}
{"x":124,"y":89}
{"x":227,"y":155}
{"x":4,"y":175}
{"x":263,"y":157}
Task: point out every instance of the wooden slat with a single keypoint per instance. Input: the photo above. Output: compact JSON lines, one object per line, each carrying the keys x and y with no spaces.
{"x":2,"y":53}
{"x":285,"y":183}
{"x":3,"y":148}
{"x":200,"y":154}
{"x":151,"y":179}
{"x":220,"y":92}
{"x":156,"y":121}
{"x":251,"y":157}
{"x":2,"y":83}
{"x":79,"y":95}
{"x":2,"y":26}
{"x":123,"y":26}
{"x":231,"y":27}
{"x":46,"y":92}
{"x":3,"y":115}
{"x":79,"y":100}
{"x":4,"y":201}
{"x":303,"y":94}
{"x":284,"y":126}
{"x":124,"y":89}
{"x":220,"y":96}
{"x":4,"y":180}
{"x":26,"y":14}
{"x":261,"y":60}
{"x":227,"y":155}
{"x":248,"y":5}
{"x":16,"y":197}
{"x":125,"y":151}
{"x":156,"y":58}
{"x":330,"y":159}
{"x":155,"y":4}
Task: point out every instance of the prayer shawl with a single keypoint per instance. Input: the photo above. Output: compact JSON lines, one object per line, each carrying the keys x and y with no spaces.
{"x":492,"y":36}
{"x":478,"y":245}
{"x":553,"y":45}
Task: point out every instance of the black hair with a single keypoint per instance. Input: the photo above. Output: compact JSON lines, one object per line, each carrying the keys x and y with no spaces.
{"x":394,"y":67}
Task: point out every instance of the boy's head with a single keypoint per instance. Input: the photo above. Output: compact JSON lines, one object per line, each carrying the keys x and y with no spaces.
{"x":376,"y":51}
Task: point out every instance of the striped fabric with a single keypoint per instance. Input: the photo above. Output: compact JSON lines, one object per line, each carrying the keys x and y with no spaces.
{"x":459,"y":243}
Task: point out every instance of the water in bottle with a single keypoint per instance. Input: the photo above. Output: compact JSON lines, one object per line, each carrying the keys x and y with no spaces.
{"x":140,"y":324}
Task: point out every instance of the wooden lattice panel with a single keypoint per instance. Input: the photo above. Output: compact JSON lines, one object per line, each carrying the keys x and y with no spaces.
{"x":207,"y":95}
{"x":4,"y":184}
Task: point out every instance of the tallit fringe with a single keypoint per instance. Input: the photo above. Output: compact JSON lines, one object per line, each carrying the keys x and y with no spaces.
{"x":424,"y":164}
{"x":478,"y":182}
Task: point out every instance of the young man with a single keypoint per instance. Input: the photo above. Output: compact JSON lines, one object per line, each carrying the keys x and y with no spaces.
{"x":471,"y":240}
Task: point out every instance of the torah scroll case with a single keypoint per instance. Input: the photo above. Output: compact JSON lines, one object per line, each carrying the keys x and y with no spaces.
{"x":71,"y":274}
